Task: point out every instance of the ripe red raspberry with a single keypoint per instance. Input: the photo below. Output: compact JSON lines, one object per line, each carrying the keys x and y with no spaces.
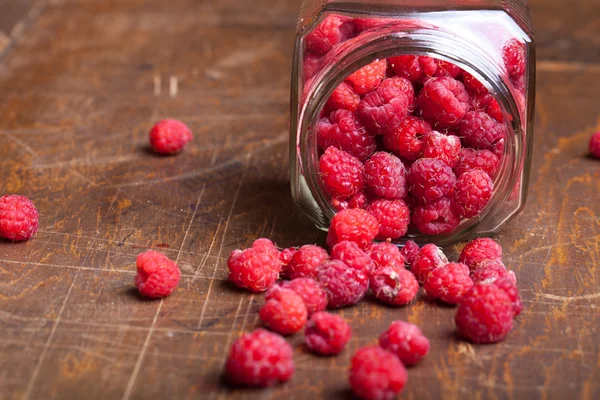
{"x":407,"y":140}
{"x":481,"y":131}
{"x":393,"y":217}
{"x":157,"y":276}
{"x":306,"y":261}
{"x":353,"y":256}
{"x":595,"y":145}
{"x":479,"y":250}
{"x":489,"y":271}
{"x":435,"y":218}
{"x":393,"y":284}
{"x":442,"y":147}
{"x":369,"y":77}
{"x":414,"y":68}
{"x":354,"y":224}
{"x":406,"y":341}
{"x":443,"y":100}
{"x":472,"y":192}
{"x":18,"y":217}
{"x":266,"y":245}
{"x":487,"y":103}
{"x":342,"y":173}
{"x":311,"y":65}
{"x":170,"y":136}
{"x":428,"y":258}
{"x":253,"y":269}
{"x":384,"y":254}
{"x":260,"y":358}
{"x":286,"y":255}
{"x":333,"y":30}
{"x":343,"y":98}
{"x":315,"y":298}
{"x":385,"y":176}
{"x":284,"y":311}
{"x":376,"y":374}
{"x":360,"y":200}
{"x":445,"y":68}
{"x":344,"y":131}
{"x":473,"y":85}
{"x":326,"y":334}
{"x":363,"y":24}
{"x":405,"y":86}
{"x":448,"y":283}
{"x":410,"y":251}
{"x":429,"y":180}
{"x":477,"y":159}
{"x":344,"y":285}
{"x":513,"y":53}
{"x":383,"y":110}
{"x":509,"y":285}
{"x":485,"y":314}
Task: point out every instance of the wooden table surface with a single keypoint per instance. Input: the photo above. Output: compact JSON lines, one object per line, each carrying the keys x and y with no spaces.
{"x":81,"y":81}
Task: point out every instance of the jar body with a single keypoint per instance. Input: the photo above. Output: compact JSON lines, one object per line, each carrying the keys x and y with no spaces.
{"x":485,"y":48}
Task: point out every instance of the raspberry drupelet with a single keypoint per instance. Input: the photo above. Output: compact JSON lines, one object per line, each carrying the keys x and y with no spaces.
{"x":428,"y":258}
{"x":19,"y":218}
{"x":472,"y":193}
{"x":384,"y":253}
{"x":443,"y":100}
{"x":306,"y":261}
{"x":430,"y":180}
{"x":477,"y":159}
{"x":406,"y":341}
{"x":445,"y":148}
{"x":344,"y":285}
{"x":353,"y":256}
{"x":267,"y":246}
{"x":385,"y":176}
{"x":436,"y":218}
{"x":157,"y":276}
{"x":341,"y":173}
{"x":407,"y":140}
{"x":393,"y":284}
{"x":480,"y":250}
{"x":509,"y":285}
{"x":326,"y":334}
{"x":315,"y":298}
{"x":260,"y":358}
{"x":284,"y":311}
{"x":369,"y":77}
{"x":169,"y":136}
{"x":376,"y":374}
{"x":489,"y":271}
{"x":445,"y":68}
{"x":410,"y":251}
{"x":354,"y":224}
{"x":405,"y":86}
{"x":448,"y":283}
{"x":594,"y":145}
{"x":383,"y":110}
{"x":253,"y":269}
{"x":393,"y":217}
{"x":344,"y":131}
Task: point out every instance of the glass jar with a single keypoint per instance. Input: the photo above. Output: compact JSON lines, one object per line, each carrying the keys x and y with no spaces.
{"x":471,"y":64}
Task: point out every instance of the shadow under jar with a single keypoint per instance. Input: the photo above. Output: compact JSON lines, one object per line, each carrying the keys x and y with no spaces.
{"x":426,"y":82}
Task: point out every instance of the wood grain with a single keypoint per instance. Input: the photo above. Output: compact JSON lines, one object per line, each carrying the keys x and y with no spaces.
{"x":79,"y":88}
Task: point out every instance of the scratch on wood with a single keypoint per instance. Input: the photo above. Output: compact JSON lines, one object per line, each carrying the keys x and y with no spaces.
{"x":157,"y":85}
{"x":570,"y":298}
{"x":173,"y":86}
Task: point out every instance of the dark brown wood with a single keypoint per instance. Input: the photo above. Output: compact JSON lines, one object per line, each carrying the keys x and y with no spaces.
{"x":79,"y":88}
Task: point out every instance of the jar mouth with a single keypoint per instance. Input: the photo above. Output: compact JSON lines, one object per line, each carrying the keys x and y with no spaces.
{"x":387,"y":42}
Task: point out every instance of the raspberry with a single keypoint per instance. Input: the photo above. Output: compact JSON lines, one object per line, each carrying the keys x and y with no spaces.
{"x":170,"y":136}
{"x":360,"y":200}
{"x":385,"y":176}
{"x":331,"y":31}
{"x":284,"y":311}
{"x":315,"y":298}
{"x":513,"y":54}
{"x":341,"y":172}
{"x":385,"y":254}
{"x":448,"y":283}
{"x":345,"y":132}
{"x":477,"y":159}
{"x":327,"y":334}
{"x":266,"y":245}
{"x":406,"y":341}
{"x":311,"y":65}
{"x":445,"y":148}
{"x":487,"y":103}
{"x":157,"y":276}
{"x":393,"y":217}
{"x":481,"y":131}
{"x":405,"y":86}
{"x":443,"y":100}
{"x":509,"y":285}
{"x":407,"y":140}
{"x":393,"y":284}
{"x":428,"y":258}
{"x":286,"y":255}
{"x":414,"y":68}
{"x":410,"y":251}
{"x":430,"y":179}
{"x":18,"y":217}
{"x":306,"y":261}
{"x":352,"y":255}
{"x":594,"y":145}
{"x":435,"y":218}
{"x":489,"y":271}
{"x":369,"y":77}
{"x":479,"y":250}
{"x":473,"y":85}
{"x":382,"y":110}
{"x":485,"y":314}
{"x":363,"y":24}
{"x":344,"y":285}
{"x":343,"y":98}
{"x":253,"y":269}
{"x":260,"y":358}
{"x":376,"y":374}
{"x":472,"y":192}
{"x":354,"y":224}
{"x":445,"y":68}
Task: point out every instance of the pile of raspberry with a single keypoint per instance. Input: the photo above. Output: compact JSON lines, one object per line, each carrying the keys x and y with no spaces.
{"x":414,"y":140}
{"x":302,"y":283}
